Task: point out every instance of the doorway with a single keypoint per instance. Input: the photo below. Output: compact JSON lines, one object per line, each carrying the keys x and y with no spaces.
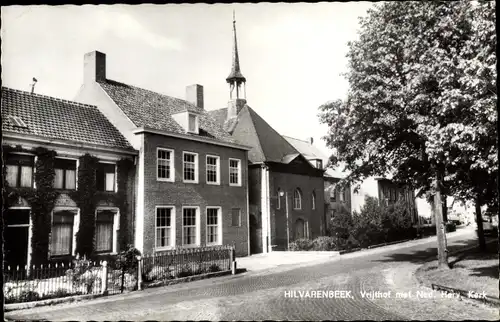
{"x":16,"y":234}
{"x":299,"y":229}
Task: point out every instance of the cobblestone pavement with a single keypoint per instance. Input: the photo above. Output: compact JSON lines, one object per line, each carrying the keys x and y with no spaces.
{"x":262,"y":296}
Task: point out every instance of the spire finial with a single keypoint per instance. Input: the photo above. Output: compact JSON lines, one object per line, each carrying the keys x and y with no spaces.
{"x":234,"y":19}
{"x":235,"y":77}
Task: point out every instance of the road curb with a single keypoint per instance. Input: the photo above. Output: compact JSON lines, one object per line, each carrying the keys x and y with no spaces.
{"x":488,"y":300}
{"x":30,"y":305}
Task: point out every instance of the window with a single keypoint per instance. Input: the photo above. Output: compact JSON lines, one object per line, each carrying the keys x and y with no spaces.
{"x":319,"y":164}
{"x":333,"y":193}
{"x":19,"y":170}
{"x":278,"y":197}
{"x":234,"y":172}
{"x":65,"y":174}
{"x":213,"y":176}
{"x":190,"y":162}
{"x":313,"y":199}
{"x":62,"y":233}
{"x":189,"y":226}
{"x":105,"y":177}
{"x":104,"y":231}
{"x":165,"y":231}
{"x":213,"y":226}
{"x":165,"y":165}
{"x":235,"y":217}
{"x":297,"y":199}
{"x":342,"y":195}
{"x":192,"y":123}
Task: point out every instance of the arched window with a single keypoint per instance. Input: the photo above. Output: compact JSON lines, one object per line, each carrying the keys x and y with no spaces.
{"x":313,"y":199}
{"x":297,"y":199}
{"x":278,"y":196}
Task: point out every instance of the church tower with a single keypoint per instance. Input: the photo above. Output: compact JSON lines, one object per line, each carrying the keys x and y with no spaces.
{"x":237,"y":99}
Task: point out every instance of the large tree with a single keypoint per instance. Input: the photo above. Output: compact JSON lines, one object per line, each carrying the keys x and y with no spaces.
{"x":404,"y":113}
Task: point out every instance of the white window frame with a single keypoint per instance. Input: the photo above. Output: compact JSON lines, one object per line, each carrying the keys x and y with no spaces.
{"x":313,"y":200}
{"x":76,"y":226}
{"x":219,"y":225}
{"x":197,"y":228}
{"x":172,"y":227}
{"x":239,"y":173}
{"x":172,"y":165}
{"x":116,"y":176}
{"x":116,"y":227}
{"x":278,"y":196}
{"x":300,"y":199}
{"x":30,"y":230}
{"x":76,"y":172}
{"x":196,"y":167}
{"x":196,"y":123}
{"x":218,"y":169}
{"x":33,"y":169}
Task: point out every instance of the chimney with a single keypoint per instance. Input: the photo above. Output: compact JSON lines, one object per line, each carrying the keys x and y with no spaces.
{"x":194,"y":94}
{"x":311,"y":141}
{"x":33,"y":85}
{"x":94,"y":67}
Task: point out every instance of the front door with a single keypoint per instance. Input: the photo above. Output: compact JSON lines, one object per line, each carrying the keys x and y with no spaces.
{"x":255,"y":235}
{"x":299,"y":229}
{"x":16,"y":237}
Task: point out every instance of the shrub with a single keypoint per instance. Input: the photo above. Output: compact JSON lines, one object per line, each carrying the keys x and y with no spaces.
{"x":451,"y":227}
{"x":29,"y":296}
{"x":214,"y":268}
{"x":324,"y":243}
{"x":185,"y":272}
{"x":127,"y":259}
{"x":301,"y":245}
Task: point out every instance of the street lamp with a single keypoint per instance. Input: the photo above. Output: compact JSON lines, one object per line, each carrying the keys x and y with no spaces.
{"x":287,"y":221}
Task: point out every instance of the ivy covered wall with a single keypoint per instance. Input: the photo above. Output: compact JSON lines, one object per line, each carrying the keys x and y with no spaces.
{"x":43,"y":198}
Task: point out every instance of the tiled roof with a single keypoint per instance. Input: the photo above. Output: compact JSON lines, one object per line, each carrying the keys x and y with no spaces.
{"x":310,"y":151}
{"x":252,"y":130}
{"x":154,"y":110}
{"x":55,"y":118}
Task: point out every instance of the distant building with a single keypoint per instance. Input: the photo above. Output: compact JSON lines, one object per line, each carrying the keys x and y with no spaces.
{"x":336,"y":200}
{"x":43,"y":142}
{"x":285,"y":189}
{"x":192,"y":179}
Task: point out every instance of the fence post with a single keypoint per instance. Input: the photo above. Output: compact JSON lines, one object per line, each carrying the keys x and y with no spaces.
{"x":139,"y":273}
{"x":233,"y":261}
{"x":104,"y":278}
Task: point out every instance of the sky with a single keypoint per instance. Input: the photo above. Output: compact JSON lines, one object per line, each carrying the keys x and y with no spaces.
{"x":292,"y":54}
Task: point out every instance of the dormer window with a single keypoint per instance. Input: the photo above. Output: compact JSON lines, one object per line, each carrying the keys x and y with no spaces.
{"x":319,"y":164}
{"x":192,"y":123}
{"x":188,"y":120}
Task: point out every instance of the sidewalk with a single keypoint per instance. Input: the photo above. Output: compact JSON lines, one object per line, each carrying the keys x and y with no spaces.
{"x":422,"y":303}
{"x":281,"y":261}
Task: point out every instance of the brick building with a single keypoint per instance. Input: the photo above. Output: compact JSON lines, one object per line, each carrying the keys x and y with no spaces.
{"x":44,"y":140}
{"x":191,"y":176}
{"x":285,"y":190}
{"x":337,"y":200}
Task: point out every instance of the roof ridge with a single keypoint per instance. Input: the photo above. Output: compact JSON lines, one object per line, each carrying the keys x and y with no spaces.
{"x":151,"y":91}
{"x":47,"y":96}
{"x":290,"y":137}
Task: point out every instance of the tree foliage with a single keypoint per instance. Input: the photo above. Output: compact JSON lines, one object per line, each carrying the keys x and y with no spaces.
{"x":422,"y":98}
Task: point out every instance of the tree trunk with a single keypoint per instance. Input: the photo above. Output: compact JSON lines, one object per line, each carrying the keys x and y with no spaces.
{"x":445,"y":208}
{"x":440,"y":228}
{"x":480,"y":231}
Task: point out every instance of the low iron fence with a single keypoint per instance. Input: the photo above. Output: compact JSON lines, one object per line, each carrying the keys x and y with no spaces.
{"x":26,"y":284}
{"x":116,"y":275}
{"x":181,"y":263}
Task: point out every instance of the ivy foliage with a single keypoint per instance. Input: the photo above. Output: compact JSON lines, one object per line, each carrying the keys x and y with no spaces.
{"x":41,"y":200}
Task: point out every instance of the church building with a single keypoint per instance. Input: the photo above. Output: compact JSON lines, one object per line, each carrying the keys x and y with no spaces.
{"x":285,"y":190}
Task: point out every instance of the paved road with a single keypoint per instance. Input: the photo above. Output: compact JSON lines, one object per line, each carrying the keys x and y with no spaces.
{"x":262,"y":296}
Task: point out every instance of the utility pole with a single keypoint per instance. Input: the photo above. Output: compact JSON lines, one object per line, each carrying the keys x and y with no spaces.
{"x":287,"y":222}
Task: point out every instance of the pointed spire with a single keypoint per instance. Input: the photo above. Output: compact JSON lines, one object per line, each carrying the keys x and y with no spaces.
{"x":235,"y":76}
